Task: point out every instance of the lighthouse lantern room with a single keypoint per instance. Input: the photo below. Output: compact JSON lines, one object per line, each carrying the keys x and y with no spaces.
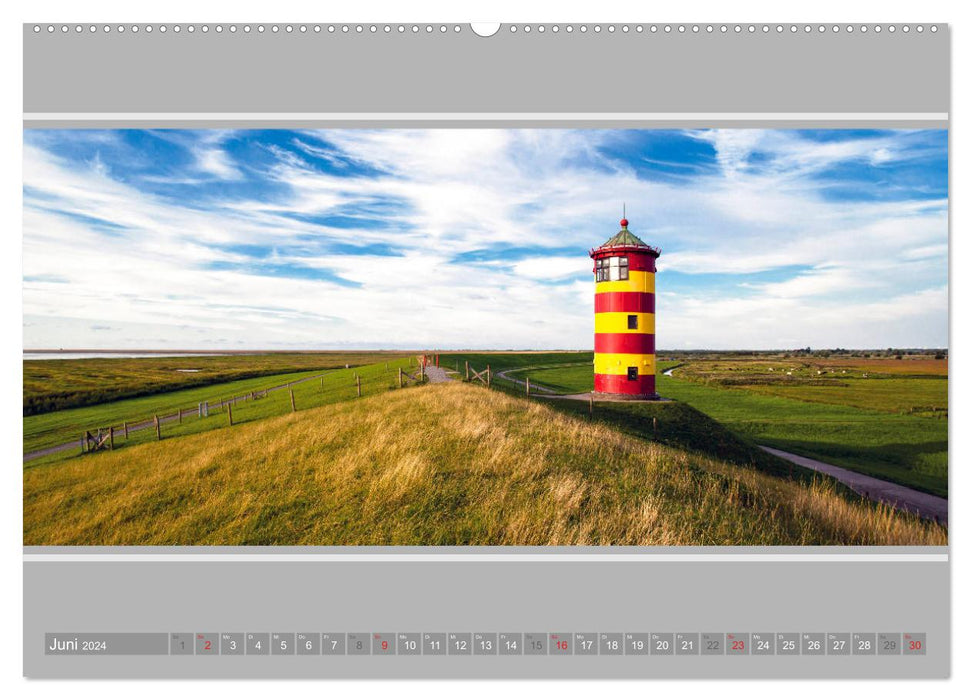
{"x":624,"y":357}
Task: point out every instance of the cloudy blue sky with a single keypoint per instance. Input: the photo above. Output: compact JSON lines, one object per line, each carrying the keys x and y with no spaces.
{"x":478,"y":238}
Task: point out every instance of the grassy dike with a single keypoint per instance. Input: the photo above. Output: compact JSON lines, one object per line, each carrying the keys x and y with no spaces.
{"x":336,"y":385}
{"x":55,"y":385}
{"x":903,"y":447}
{"x":437,"y":465}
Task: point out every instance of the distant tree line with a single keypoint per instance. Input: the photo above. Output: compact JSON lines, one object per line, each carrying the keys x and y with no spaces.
{"x":898,"y":353}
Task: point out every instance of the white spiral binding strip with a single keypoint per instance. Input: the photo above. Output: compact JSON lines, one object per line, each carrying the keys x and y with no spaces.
{"x":548,"y":29}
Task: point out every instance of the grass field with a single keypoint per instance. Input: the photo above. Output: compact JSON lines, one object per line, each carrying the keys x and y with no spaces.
{"x":906,"y":449}
{"x":915,"y":386}
{"x":51,"y":385}
{"x":896,"y":443}
{"x":681,"y":426}
{"x":447,"y":464}
{"x":62,"y":426}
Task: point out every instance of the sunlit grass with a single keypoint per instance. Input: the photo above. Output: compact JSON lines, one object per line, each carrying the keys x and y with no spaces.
{"x":436,"y":465}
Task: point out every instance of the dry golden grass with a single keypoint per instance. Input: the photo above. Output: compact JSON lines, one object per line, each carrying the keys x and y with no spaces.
{"x":436,"y":465}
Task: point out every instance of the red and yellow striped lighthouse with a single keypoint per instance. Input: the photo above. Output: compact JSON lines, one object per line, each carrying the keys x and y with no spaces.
{"x":624,"y":359}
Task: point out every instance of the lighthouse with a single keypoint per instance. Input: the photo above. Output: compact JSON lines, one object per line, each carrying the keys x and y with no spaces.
{"x":624,"y":359}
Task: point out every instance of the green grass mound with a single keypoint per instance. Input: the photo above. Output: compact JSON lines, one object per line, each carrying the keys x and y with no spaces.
{"x":446,"y":464}
{"x":681,"y":426}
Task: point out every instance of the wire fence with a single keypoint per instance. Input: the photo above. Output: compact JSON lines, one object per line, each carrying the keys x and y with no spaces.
{"x":579,"y":403}
{"x":307,"y":392}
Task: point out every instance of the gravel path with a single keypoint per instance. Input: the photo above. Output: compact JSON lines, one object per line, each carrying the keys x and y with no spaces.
{"x":436,"y":375}
{"x":923,"y":504}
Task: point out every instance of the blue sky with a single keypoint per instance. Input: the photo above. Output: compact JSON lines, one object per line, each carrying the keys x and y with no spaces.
{"x":445,"y":238}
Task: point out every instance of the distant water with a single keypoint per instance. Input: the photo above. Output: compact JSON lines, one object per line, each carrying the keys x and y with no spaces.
{"x":120,"y":355}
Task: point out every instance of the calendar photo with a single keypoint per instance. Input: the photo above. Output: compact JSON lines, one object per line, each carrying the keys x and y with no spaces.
{"x":485,"y":336}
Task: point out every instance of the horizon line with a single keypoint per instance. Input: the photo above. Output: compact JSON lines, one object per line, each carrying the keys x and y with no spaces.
{"x":453,"y":350}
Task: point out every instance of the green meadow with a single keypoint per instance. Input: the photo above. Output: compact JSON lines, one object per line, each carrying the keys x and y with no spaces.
{"x":51,"y":385}
{"x":443,"y":464}
{"x":875,"y":426}
{"x":58,"y":427}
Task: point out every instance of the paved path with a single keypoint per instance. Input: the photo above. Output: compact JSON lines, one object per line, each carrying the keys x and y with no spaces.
{"x":533,"y":386}
{"x":923,"y":504}
{"x":149,"y":423}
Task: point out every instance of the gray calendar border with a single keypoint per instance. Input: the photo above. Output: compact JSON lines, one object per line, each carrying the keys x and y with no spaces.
{"x":161,"y":122}
{"x":81,"y":72}
{"x":862,"y":553}
{"x":447,"y":597}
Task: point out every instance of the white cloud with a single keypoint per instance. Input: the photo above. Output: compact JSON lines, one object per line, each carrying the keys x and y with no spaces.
{"x":216,"y":162}
{"x":170,"y":275}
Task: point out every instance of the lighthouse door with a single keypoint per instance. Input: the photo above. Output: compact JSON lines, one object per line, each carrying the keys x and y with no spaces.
{"x":632,"y":374}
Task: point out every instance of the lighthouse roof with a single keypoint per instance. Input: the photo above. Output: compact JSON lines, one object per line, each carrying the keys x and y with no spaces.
{"x":624,"y":241}
{"x":624,"y":238}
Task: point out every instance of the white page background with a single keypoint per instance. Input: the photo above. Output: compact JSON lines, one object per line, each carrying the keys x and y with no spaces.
{"x":708,"y":11}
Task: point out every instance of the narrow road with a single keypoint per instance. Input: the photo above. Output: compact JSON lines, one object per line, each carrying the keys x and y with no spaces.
{"x":533,"y":386}
{"x":149,"y":423}
{"x":901,"y":497}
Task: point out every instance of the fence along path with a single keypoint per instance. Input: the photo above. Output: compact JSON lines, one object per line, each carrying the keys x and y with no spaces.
{"x":98,"y":435}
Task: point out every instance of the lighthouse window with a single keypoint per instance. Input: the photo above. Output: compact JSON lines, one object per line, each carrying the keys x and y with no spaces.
{"x":632,"y":322}
{"x":601,"y":270}
{"x":612,"y":269}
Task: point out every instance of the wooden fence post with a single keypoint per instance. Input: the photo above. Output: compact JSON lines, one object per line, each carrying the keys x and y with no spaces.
{"x":591,"y":405}
{"x":111,"y":437}
{"x":158,"y":428}
{"x":180,"y":416}
{"x":655,"y":428}
{"x":466,"y":370}
{"x":126,"y":430}
{"x":358,"y":387}
{"x":527,"y":387}
{"x":293,"y":405}
{"x":399,"y":378}
{"x":488,"y":375}
{"x":230,"y":407}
